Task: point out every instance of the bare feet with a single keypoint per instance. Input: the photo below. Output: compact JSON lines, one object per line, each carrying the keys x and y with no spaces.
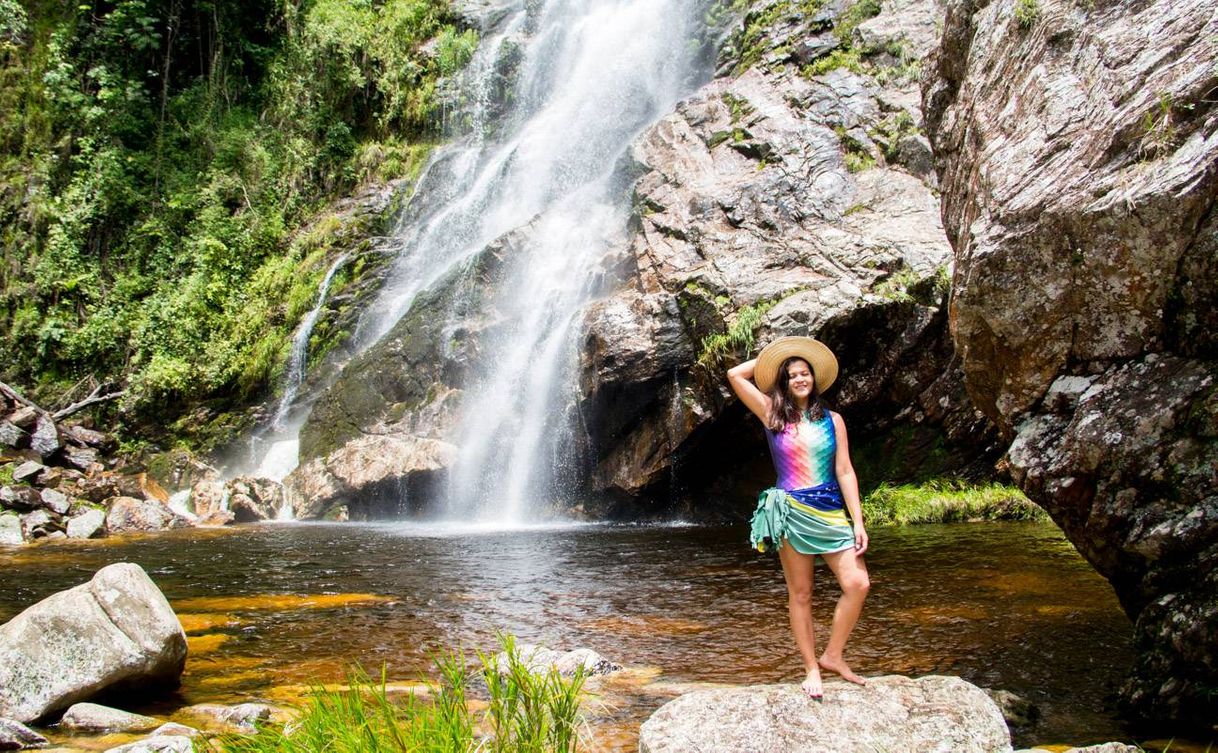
{"x":812,"y":685}
{"x":839,"y":666}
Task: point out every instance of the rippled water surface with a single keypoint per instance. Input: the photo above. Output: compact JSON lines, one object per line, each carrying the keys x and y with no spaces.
{"x":1003,"y":605}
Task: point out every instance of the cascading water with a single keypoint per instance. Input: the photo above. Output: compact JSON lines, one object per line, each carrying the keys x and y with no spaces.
{"x":553,"y":98}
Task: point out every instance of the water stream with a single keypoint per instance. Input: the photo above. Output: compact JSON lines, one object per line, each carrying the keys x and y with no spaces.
{"x":270,"y":609}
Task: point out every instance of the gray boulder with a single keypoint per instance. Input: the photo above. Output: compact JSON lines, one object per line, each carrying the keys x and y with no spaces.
{"x":91,"y":717}
{"x":253,"y":499}
{"x":16,"y":736}
{"x":45,"y":440}
{"x":128,"y":515}
{"x":28,"y":471}
{"x":23,"y":498}
{"x":88,"y":524}
{"x":929,"y":715}
{"x":157,"y":744}
{"x":11,"y":435}
{"x":244,"y":716}
{"x":10,"y":530}
{"x":56,"y":501}
{"x":115,"y":630}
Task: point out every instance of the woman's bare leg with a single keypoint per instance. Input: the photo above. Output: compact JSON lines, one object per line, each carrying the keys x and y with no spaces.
{"x":851,"y":572}
{"x":797,"y":570}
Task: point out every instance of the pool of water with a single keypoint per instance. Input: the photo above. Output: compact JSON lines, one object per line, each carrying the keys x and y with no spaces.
{"x":1008,"y":605}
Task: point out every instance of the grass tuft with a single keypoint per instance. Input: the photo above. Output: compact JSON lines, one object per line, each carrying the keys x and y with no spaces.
{"x":947,"y":501}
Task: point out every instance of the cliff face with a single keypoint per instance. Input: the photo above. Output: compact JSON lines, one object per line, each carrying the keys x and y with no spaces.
{"x":1077,"y":151}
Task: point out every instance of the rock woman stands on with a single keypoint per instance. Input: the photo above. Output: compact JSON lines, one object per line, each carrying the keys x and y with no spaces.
{"x":803,"y":514}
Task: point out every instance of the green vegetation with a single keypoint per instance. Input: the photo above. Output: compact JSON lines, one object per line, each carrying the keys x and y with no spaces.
{"x":527,"y":713}
{"x":1159,"y":128}
{"x":1027,"y":12}
{"x":946,"y":501}
{"x":841,"y":58}
{"x":858,"y":156}
{"x":850,"y":19}
{"x":164,"y":172}
{"x":908,"y":285}
{"x":739,"y":338}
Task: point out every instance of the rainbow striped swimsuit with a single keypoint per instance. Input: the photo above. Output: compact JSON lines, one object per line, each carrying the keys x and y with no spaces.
{"x":805,"y":506}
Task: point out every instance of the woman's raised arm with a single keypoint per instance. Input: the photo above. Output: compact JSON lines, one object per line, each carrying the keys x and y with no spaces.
{"x":741,"y":379}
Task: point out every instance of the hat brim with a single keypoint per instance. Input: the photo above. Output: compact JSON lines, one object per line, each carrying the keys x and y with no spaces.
{"x":815,"y":352}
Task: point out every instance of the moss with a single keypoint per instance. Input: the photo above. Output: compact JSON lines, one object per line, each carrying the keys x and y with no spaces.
{"x":947,"y":500}
{"x":840,"y":58}
{"x":1027,"y":13}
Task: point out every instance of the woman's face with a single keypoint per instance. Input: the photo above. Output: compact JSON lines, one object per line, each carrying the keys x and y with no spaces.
{"x":800,"y":380}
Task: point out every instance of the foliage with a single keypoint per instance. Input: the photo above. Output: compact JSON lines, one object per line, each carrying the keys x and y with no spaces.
{"x":945,"y":501}
{"x":740,"y":336}
{"x":158,"y":160}
{"x":1159,"y":134}
{"x":533,"y":713}
{"x":1027,"y":12}
{"x":852,"y":17}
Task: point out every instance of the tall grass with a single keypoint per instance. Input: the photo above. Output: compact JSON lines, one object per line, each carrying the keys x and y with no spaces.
{"x":946,"y":501}
{"x":532,"y":713}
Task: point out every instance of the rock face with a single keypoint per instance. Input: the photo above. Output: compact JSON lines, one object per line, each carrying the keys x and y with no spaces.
{"x":17,"y":736}
{"x":1079,"y":169}
{"x":944,"y":714}
{"x":115,"y":630}
{"x":253,"y":499}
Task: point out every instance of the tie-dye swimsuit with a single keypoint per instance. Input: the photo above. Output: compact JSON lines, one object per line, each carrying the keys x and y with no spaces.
{"x":805,"y":506}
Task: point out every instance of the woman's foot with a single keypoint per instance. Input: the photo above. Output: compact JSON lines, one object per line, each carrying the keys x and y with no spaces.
{"x":839,"y":666}
{"x":812,"y":685}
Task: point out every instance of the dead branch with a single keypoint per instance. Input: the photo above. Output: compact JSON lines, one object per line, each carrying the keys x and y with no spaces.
{"x":93,"y":399}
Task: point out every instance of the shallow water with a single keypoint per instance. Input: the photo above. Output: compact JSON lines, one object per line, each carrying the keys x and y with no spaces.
{"x":274,"y":607}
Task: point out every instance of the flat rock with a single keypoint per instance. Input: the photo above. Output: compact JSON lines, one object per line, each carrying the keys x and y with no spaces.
{"x":175,"y":730}
{"x":928,"y":714}
{"x":93,"y":717}
{"x":22,"y":498}
{"x":24,"y":417}
{"x":11,"y":435}
{"x":244,"y":715}
{"x":113,"y":631}
{"x":28,"y":470}
{"x":16,"y":736}
{"x":56,"y":501}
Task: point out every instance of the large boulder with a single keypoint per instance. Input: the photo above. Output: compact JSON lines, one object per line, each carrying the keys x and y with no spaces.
{"x":117,"y":630}
{"x":1079,"y":170}
{"x":930,"y":715}
{"x":252,"y":499}
{"x":131,"y":515}
{"x":91,"y":717}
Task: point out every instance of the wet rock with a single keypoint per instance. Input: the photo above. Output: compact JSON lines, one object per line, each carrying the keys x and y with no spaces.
{"x":87,"y":525}
{"x":116,"y":630}
{"x":10,"y":530}
{"x":244,"y":715}
{"x":890,"y":713}
{"x":91,"y":717}
{"x":1084,"y":227}
{"x":175,"y":730}
{"x":1016,"y":710}
{"x":157,"y":744}
{"x":252,"y":499}
{"x":16,"y":736}
{"x":28,"y":471}
{"x":541,"y":660}
{"x":56,"y":501}
{"x":209,"y":499}
{"x":128,"y":514}
{"x":22,"y":498}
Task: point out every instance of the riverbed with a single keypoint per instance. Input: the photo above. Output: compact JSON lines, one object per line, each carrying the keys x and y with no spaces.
{"x":276,"y":607}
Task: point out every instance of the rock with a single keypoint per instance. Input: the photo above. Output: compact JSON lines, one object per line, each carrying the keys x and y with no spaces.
{"x":253,"y":499}
{"x":128,"y":514}
{"x":16,"y":736}
{"x":21,"y":498}
{"x":541,"y":660}
{"x":244,"y":715}
{"x":208,"y":498}
{"x":176,"y":730}
{"x":37,"y":525}
{"x":157,"y":744}
{"x":928,"y":714}
{"x":95,"y":439}
{"x":10,"y":530}
{"x":24,"y":417}
{"x":87,"y":525}
{"x":28,"y":470}
{"x":90,"y":717}
{"x":1017,"y":711}
{"x":84,"y":458}
{"x":12,"y":436}
{"x":1107,"y":748}
{"x":45,"y":440}
{"x":116,"y":630}
{"x":1083,"y":222}
{"x":56,"y":501}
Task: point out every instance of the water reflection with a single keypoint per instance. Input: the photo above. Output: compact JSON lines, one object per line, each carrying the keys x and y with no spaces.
{"x":1004,"y":605}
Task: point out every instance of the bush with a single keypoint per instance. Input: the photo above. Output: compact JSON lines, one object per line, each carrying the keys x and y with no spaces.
{"x":946,"y":501}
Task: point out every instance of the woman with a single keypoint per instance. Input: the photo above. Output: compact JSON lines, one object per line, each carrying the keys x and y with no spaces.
{"x":803,"y":513}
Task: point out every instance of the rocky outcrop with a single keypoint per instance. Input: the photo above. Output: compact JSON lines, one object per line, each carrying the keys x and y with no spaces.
{"x":1079,"y":169}
{"x":117,"y":630}
{"x":933,"y":713}
{"x":252,"y":499}
{"x":779,"y":201}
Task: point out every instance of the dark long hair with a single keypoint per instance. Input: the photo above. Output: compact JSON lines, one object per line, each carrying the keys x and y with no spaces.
{"x":783,"y":409}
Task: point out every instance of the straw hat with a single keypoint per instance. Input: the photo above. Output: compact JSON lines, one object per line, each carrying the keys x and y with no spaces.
{"x":815,"y":352}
